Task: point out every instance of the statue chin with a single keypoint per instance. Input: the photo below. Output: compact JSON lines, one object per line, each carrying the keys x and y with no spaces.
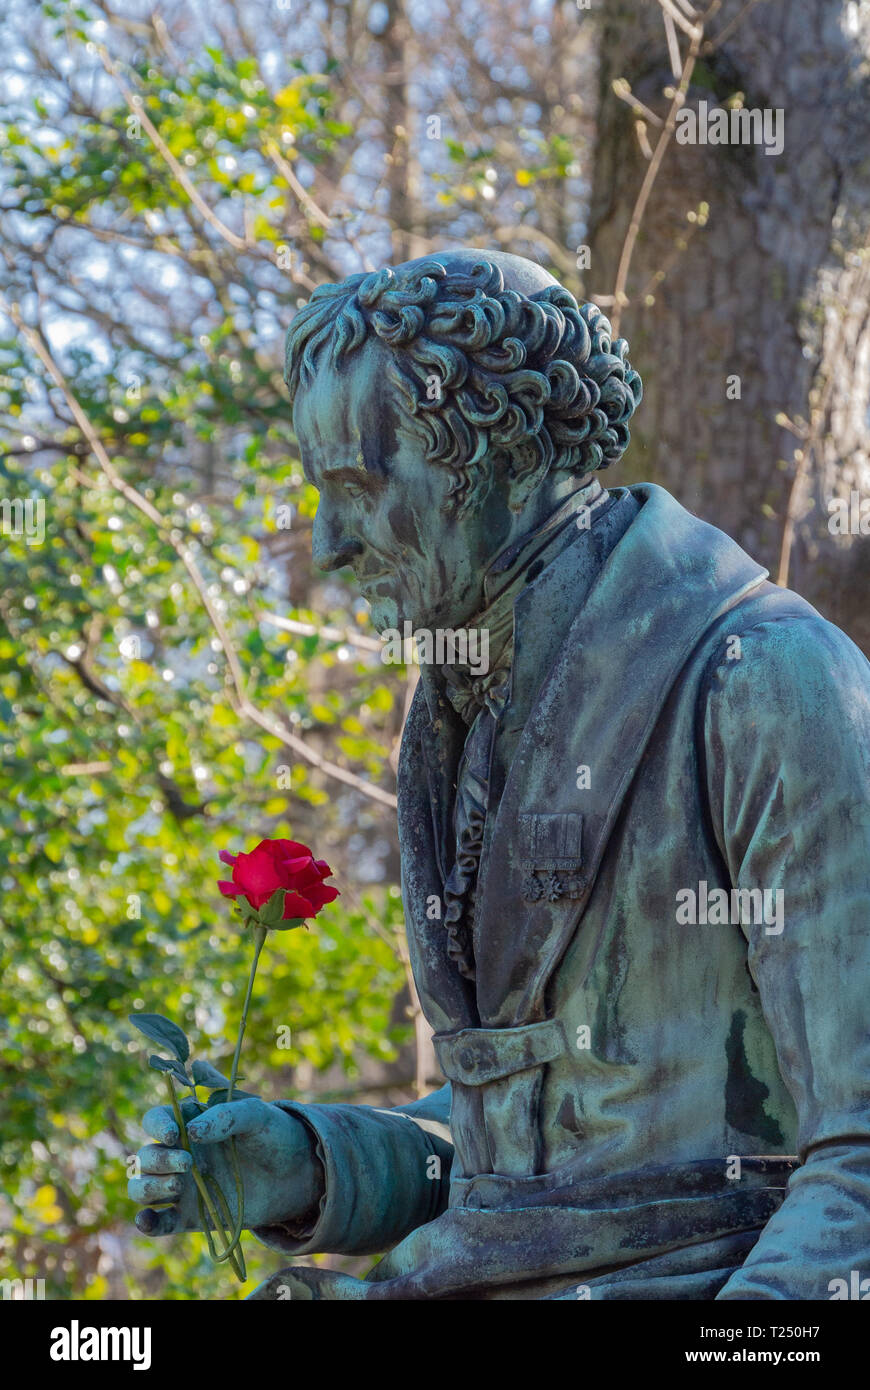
{"x":384,"y":614}
{"x":390,"y":614}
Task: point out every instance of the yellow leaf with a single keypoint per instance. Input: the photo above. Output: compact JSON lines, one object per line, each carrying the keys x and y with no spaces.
{"x":45,"y":1206}
{"x":288,"y":99}
{"x":381,"y":699}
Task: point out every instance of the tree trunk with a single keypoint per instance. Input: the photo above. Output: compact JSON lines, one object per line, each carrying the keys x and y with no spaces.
{"x":402,"y":177}
{"x":767,"y":295}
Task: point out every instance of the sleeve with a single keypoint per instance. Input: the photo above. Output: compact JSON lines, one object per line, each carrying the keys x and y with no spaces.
{"x":787,"y":736}
{"x":386,"y":1172}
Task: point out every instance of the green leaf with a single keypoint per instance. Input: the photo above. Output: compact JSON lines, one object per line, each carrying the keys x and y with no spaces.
{"x":290,"y":923}
{"x":163,"y":1031}
{"x":204,"y":1074}
{"x":174,"y":1068}
{"x":272,"y":911}
{"x":247,"y":913}
{"x":220,"y":1097}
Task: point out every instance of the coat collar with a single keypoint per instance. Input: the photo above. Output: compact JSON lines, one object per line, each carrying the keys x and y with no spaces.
{"x":617,"y":641}
{"x":546,"y":605}
{"x":663,"y":584}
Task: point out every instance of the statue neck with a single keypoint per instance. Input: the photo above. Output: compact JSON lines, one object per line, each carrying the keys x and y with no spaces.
{"x":512,"y":569}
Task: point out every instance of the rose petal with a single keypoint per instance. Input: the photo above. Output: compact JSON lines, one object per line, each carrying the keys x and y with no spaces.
{"x":321,"y":894}
{"x":297,"y":906}
{"x":303,"y":880}
{"x":226,"y":858}
{"x":229,"y":890}
{"x":256,"y":875}
{"x":323,"y":867}
{"x":283,"y":849}
{"x":298,"y":866}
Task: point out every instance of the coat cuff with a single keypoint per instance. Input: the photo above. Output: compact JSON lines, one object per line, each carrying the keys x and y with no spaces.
{"x":384,"y":1175}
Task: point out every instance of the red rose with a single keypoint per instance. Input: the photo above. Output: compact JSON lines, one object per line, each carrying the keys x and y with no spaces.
{"x":280,"y":864}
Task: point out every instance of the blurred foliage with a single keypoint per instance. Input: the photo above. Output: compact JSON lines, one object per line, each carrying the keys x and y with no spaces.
{"x":127,"y":762}
{"x":174,"y":181}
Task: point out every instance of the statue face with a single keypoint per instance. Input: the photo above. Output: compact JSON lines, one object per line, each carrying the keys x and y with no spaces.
{"x":383,"y":507}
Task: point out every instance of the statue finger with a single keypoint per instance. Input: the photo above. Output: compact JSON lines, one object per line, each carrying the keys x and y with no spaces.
{"x":162,"y":1189}
{"x":159,"y":1123}
{"x":157,"y":1223}
{"x":157,"y":1158}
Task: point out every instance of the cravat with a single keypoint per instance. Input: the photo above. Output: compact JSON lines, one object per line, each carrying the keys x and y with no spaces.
{"x":480,"y":700}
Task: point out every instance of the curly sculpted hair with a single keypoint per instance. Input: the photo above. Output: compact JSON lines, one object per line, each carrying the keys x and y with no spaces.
{"x":481,"y":370}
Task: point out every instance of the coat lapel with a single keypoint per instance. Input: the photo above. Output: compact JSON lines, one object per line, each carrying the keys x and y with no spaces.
{"x":432,"y":745}
{"x":666,"y":580}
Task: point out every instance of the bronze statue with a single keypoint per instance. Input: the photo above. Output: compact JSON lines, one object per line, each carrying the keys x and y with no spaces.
{"x":635,"y":849}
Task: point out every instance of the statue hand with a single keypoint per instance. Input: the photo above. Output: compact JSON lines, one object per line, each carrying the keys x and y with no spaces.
{"x":281,"y":1174}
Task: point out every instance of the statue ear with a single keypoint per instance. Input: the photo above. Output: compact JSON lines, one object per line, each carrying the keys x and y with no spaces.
{"x":527,"y":467}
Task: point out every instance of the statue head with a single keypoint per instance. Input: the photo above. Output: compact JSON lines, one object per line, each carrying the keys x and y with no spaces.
{"x":443,"y":407}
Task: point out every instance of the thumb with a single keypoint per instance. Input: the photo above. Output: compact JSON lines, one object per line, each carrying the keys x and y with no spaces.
{"x":239,"y":1117}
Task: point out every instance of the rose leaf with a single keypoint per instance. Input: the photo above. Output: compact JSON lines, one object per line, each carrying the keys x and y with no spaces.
{"x":162,"y":1030}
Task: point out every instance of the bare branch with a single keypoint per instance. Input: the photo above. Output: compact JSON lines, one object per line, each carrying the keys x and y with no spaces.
{"x":673,"y":44}
{"x":244,"y":704}
{"x":643,"y":139}
{"x":85,"y":769}
{"x":529,"y":236}
{"x":137,"y":108}
{"x":694,"y":31}
{"x":329,"y":634}
{"x":286,"y":170}
{"x":811,"y":436}
{"x":619,"y":295}
{"x":622,"y":89}
{"x":712,"y":44}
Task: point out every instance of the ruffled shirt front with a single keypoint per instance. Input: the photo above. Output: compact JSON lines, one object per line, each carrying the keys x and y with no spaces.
{"x":481,"y":699}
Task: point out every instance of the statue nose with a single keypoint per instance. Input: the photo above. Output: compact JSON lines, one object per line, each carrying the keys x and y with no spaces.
{"x":332,"y":546}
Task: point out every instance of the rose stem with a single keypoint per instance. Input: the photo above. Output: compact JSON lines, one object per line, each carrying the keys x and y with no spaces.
{"x":259,"y":939}
{"x":195,"y":1173}
{"x":235,"y":1257}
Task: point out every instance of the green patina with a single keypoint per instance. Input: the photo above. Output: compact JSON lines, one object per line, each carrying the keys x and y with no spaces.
{"x":455,"y":415}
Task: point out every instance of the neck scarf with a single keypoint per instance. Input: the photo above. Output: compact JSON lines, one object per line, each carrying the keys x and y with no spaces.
{"x":505,"y":580}
{"x":480,"y":701}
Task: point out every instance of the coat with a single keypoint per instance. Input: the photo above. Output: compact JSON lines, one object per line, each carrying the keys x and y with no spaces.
{"x":647,"y":1097}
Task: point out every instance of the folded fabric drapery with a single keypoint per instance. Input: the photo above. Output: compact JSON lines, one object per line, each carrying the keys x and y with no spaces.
{"x":480,"y":700}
